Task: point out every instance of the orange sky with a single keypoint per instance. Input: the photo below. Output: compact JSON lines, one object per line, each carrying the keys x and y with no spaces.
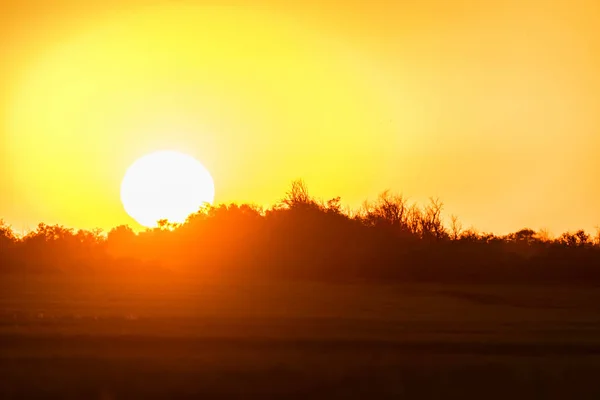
{"x":492,"y":106}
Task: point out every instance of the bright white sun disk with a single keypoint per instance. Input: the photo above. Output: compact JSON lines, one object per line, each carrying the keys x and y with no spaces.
{"x":165,"y":185}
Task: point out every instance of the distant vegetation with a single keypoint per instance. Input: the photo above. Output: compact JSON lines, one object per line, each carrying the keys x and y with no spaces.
{"x":303,"y":238}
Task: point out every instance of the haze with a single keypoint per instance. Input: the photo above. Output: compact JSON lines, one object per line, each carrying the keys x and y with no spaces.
{"x":491,"y":106}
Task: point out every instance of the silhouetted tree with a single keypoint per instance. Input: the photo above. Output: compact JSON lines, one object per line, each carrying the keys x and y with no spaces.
{"x":388,"y":210}
{"x":121,"y":241}
{"x":7,"y":236}
{"x":427,"y":222}
{"x":298,"y":196}
{"x":526,"y":235}
{"x":302,"y":238}
{"x":577,"y":239}
{"x":456,"y":228}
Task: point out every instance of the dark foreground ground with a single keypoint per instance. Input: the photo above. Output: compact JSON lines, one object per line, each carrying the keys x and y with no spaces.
{"x":169,"y":338}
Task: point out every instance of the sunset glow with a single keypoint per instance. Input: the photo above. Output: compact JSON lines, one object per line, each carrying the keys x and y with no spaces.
{"x":486,"y":105}
{"x":299,"y":199}
{"x":165,"y":185}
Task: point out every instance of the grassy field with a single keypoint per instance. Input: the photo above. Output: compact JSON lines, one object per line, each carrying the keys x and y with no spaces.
{"x":172,"y":337}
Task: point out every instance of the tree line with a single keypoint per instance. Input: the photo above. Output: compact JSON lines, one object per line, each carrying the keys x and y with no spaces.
{"x":301,"y":237}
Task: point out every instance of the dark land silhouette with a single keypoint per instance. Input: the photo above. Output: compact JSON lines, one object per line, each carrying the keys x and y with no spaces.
{"x":388,"y":240}
{"x":302,"y":300}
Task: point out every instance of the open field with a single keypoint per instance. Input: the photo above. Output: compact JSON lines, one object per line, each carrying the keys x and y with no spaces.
{"x":178,"y":338}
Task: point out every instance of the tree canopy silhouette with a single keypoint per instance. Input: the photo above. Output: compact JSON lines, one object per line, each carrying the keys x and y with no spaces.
{"x":304,"y":238}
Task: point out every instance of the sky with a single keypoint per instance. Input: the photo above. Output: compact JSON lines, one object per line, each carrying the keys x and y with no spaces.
{"x":491,"y":106}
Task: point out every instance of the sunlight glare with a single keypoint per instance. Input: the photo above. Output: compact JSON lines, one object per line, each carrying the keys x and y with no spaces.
{"x":165,"y":185}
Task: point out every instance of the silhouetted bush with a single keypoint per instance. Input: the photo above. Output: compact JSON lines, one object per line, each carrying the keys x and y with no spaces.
{"x":302,"y":238}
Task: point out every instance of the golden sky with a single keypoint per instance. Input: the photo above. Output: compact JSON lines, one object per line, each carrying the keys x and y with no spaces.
{"x":494,"y":106}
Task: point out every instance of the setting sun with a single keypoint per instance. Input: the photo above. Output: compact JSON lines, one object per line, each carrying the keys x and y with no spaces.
{"x":273,"y":198}
{"x":165,"y":185}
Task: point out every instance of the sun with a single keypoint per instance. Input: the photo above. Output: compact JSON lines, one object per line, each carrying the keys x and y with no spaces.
{"x":165,"y":185}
